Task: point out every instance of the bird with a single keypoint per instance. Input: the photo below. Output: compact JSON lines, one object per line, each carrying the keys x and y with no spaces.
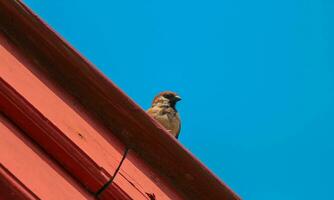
{"x":164,"y":111}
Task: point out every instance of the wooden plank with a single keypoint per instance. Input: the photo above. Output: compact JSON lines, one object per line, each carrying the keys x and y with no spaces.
{"x":136,"y":174}
{"x":114,"y":192}
{"x":122,"y":186}
{"x":33,"y":168}
{"x":11,"y":188}
{"x":137,"y":180}
{"x":60,"y":126}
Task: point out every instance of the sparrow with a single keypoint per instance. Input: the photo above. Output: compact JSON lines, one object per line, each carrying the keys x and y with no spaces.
{"x":163,"y":110}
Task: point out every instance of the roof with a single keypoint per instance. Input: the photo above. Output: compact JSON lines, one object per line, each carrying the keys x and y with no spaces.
{"x":109,"y":105}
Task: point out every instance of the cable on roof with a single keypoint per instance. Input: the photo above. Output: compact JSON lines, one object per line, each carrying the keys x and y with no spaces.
{"x":107,"y":184}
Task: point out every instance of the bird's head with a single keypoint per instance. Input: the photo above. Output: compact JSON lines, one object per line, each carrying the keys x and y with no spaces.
{"x":166,"y":98}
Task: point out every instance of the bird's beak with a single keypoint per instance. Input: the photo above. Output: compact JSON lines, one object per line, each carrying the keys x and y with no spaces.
{"x":177,"y":98}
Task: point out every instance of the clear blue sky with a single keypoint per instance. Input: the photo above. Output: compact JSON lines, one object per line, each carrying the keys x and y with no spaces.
{"x":256,"y":77}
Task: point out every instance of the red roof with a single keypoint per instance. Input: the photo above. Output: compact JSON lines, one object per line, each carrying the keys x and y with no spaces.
{"x":92,"y":109}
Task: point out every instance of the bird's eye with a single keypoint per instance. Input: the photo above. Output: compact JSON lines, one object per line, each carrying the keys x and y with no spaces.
{"x":168,"y":96}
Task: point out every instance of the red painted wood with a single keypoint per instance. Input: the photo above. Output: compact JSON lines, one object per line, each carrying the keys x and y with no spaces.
{"x":33,"y":168}
{"x":114,"y":192}
{"x":11,"y":188}
{"x":32,"y":117}
{"x":144,"y":179}
{"x":16,"y":71}
{"x":57,"y":65}
{"x":50,"y":138}
{"x":63,"y":132}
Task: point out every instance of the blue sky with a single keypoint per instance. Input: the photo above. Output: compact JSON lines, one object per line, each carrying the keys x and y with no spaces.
{"x":256,"y":78}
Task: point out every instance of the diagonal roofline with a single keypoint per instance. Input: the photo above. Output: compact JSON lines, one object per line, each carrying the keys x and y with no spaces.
{"x":109,"y":105}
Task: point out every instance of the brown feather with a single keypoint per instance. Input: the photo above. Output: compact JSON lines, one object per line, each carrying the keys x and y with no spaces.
{"x":163,"y":110}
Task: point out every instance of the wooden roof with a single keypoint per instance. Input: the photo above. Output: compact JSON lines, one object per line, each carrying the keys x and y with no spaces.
{"x":109,"y":106}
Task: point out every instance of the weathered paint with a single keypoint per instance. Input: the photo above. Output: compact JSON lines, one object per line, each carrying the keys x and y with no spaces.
{"x":33,"y":168}
{"x":71,"y":129}
{"x":141,"y":176}
{"x":29,"y":99}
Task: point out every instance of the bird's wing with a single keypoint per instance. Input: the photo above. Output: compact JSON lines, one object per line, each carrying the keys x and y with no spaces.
{"x":163,"y":116}
{"x":152,"y":111}
{"x":178,"y":131}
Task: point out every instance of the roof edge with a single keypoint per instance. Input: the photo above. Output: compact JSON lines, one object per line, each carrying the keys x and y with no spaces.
{"x":102,"y":99}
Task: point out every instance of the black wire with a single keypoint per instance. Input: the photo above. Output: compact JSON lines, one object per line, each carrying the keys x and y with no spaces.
{"x":107,"y":184}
